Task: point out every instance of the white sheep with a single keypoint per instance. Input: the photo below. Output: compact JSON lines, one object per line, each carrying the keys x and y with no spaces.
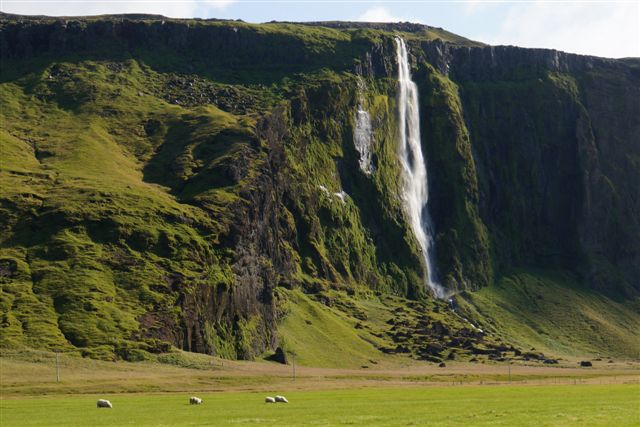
{"x":102,"y":403}
{"x":269,"y":399}
{"x":281,"y":399}
{"x":195,"y":400}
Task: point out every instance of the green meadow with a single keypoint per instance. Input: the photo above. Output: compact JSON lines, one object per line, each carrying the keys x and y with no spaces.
{"x":561,"y":405}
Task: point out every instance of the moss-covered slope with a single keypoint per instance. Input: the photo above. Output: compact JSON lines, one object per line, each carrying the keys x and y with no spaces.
{"x":161,"y":178}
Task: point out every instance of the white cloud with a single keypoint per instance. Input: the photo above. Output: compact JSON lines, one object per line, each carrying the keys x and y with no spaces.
{"x":378,"y":14}
{"x":220,"y":4}
{"x":602,"y":29}
{"x":473,"y":6}
{"x":173,"y":9}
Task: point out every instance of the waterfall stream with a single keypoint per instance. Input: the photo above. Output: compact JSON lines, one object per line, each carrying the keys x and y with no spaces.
{"x":415,"y":191}
{"x":362,"y":135}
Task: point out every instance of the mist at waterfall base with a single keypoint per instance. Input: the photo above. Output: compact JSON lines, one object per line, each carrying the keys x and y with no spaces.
{"x":415,"y":187}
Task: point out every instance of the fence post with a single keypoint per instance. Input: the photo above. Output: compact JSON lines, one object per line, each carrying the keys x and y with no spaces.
{"x":57,"y":366}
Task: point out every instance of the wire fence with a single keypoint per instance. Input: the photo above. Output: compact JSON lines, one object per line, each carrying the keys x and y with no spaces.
{"x":63,"y":363}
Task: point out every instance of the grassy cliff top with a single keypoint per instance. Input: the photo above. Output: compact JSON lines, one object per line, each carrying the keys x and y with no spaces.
{"x":327,"y":28}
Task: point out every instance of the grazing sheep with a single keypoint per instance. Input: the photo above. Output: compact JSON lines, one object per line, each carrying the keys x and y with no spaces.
{"x":102,"y":403}
{"x":281,"y":399}
{"x":195,"y":400}
{"x":269,"y":399}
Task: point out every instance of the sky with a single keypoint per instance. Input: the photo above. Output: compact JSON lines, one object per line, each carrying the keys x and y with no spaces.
{"x":590,"y":27}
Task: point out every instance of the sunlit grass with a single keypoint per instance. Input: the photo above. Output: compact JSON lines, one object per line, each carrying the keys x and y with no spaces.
{"x":581,"y":405}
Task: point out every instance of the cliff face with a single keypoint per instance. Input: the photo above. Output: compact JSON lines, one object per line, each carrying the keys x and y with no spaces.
{"x":162,"y":179}
{"x":554,"y":141}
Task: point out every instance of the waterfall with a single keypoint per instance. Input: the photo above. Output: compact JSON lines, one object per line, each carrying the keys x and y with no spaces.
{"x":362,"y":135}
{"x":415,"y":191}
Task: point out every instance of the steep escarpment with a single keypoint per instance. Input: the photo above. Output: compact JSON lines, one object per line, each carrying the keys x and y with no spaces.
{"x":183,"y":183}
{"x":553,"y":137}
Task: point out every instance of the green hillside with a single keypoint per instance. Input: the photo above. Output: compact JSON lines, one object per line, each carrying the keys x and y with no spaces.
{"x":195,"y":185}
{"x":552,"y":313}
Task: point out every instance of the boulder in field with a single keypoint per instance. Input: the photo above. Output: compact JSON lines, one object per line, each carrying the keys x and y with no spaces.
{"x":279,"y":356}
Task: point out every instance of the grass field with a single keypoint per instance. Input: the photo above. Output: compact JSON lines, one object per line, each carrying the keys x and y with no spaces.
{"x":393,"y":392}
{"x":611,"y":405}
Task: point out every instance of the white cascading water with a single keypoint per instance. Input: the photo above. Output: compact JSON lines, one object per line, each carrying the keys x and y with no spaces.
{"x":415,"y":191}
{"x":362,"y":135}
